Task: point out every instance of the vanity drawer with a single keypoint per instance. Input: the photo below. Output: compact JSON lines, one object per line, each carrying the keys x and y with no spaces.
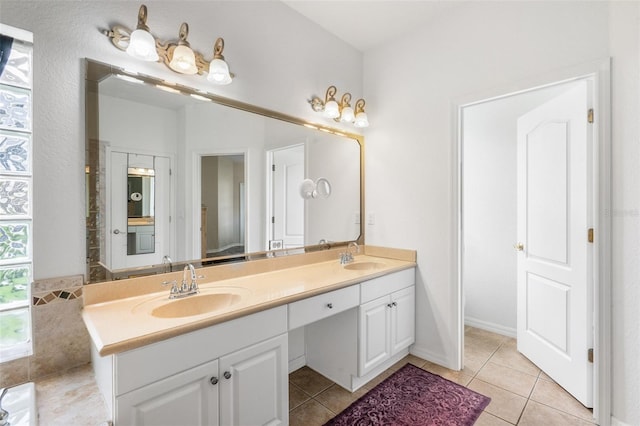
{"x":387,"y":284}
{"x":315,"y":308}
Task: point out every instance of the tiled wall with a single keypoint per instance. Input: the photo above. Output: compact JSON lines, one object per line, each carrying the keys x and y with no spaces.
{"x":60,"y":339}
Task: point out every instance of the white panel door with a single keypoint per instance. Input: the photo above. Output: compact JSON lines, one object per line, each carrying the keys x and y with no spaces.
{"x":189,"y":398}
{"x":403,"y":319}
{"x":554,"y":283}
{"x":375,"y":334}
{"x":288,"y":205}
{"x":254,"y":387}
{"x":156,"y":243}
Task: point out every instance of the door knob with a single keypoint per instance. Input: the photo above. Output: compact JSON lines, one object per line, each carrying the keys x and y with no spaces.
{"x":519,"y":247}
{"x":116,"y":231}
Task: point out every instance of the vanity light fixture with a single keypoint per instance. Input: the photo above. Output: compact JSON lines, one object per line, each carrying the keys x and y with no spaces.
{"x":177,"y":55}
{"x":341,"y":112}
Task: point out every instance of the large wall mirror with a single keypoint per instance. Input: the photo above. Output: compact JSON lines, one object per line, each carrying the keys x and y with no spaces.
{"x":177,"y":176}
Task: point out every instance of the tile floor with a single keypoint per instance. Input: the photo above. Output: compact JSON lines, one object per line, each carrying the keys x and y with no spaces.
{"x":520,"y":393}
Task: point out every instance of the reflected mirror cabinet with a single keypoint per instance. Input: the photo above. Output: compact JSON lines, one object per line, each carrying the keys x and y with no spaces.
{"x":175,"y":176}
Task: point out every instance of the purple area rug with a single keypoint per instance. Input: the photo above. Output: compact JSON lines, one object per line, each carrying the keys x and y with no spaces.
{"x":412,"y":396}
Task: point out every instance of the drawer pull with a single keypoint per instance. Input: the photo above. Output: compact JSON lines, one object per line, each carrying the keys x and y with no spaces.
{"x":213,"y":380}
{"x":330,"y":305}
{"x":227,"y":375}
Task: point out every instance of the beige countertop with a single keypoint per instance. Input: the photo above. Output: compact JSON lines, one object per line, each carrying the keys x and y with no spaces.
{"x":125,"y":323}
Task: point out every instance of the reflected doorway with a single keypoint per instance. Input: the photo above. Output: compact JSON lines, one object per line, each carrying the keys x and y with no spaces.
{"x":222,"y":216}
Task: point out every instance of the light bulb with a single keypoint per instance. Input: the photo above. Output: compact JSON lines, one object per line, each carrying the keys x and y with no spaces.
{"x":142,"y":46}
{"x":331,"y":110}
{"x":361,"y":120}
{"x":219,"y":72}
{"x":183,"y":60}
{"x":347,"y":115}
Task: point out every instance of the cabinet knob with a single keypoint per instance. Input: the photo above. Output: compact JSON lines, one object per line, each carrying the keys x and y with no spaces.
{"x":116,"y":231}
{"x":394,"y":304}
{"x":213,"y":380}
{"x":227,"y":375}
{"x":330,"y":305}
{"x":389,"y":305}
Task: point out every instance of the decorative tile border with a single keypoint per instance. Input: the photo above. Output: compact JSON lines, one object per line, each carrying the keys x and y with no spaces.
{"x":57,"y":295}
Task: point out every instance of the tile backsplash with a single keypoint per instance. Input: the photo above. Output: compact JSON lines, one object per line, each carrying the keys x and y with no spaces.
{"x":60,"y":339}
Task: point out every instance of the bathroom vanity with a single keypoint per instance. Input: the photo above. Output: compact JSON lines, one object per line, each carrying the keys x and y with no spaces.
{"x":228,"y":363}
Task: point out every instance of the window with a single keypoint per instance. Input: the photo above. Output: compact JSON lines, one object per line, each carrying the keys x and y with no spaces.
{"x":16,"y":189}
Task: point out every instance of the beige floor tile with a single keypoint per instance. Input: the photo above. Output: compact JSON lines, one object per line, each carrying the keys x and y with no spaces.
{"x":509,"y":356}
{"x":309,"y":381}
{"x":378,"y":379}
{"x":536,"y":414}
{"x":504,"y":404}
{"x":409,"y":359}
{"x":336,"y":398}
{"x":311,"y":413}
{"x":460,"y":377}
{"x":484,"y":335}
{"x":507,"y":378}
{"x":551,"y":394}
{"x":296,"y":396}
{"x":474,"y":360}
{"x":487,"y":419}
{"x":74,"y":388}
{"x":544,"y":376}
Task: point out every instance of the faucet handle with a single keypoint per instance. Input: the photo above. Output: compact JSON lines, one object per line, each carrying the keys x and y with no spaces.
{"x":174,"y":282}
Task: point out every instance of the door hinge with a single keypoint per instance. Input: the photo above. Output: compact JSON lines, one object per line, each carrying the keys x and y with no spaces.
{"x":590,"y":235}
{"x":590,"y":355}
{"x":170,"y":172}
{"x":273,"y":167}
{"x":273,"y":219}
{"x":590,"y":115}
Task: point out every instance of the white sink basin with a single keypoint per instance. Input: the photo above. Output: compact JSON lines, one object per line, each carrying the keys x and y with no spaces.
{"x":207,"y":301}
{"x":363,"y":266}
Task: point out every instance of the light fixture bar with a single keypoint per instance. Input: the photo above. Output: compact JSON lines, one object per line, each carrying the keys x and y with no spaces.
{"x":176,"y":55}
{"x":342,"y":111}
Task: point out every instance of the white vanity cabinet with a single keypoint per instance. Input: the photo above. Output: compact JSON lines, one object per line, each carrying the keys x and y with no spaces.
{"x":387,"y":326}
{"x":355,"y":345}
{"x":232,"y":373}
{"x":189,"y":398}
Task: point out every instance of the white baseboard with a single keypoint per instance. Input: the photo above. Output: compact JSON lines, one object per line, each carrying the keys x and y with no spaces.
{"x":297,"y":363}
{"x":489,"y":326}
{"x":616,"y":422}
{"x":429,"y":356}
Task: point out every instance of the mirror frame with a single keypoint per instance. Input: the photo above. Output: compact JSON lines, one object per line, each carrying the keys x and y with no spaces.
{"x":95,"y":71}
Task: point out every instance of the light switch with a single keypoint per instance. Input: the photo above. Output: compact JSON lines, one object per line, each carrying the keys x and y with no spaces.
{"x":371,"y":218}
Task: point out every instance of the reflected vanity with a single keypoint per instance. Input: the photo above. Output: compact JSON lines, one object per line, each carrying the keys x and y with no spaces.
{"x":203,"y":179}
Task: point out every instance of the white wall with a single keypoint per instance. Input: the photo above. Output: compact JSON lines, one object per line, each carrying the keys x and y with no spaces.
{"x":489,"y":137}
{"x":274,"y":70}
{"x":475,"y":49}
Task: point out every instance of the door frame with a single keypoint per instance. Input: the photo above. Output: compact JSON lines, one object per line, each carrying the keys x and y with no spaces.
{"x":196,"y":201}
{"x":269,"y":182}
{"x":600,"y":72}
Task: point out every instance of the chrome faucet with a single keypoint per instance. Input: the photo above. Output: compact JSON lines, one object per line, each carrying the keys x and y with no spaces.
{"x":186,"y":288}
{"x":347,"y":256}
{"x":193,"y":287}
{"x":167,"y":262}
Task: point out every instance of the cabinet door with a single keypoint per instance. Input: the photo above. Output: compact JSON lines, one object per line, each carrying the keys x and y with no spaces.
{"x":254,"y":387}
{"x":374,"y":333}
{"x":403,"y":319}
{"x":187,"y":398}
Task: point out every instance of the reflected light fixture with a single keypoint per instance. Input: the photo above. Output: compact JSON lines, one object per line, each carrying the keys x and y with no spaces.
{"x":177,"y":55}
{"x":340,"y":112}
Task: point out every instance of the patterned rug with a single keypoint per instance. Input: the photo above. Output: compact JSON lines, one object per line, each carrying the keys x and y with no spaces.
{"x":412,"y":396}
